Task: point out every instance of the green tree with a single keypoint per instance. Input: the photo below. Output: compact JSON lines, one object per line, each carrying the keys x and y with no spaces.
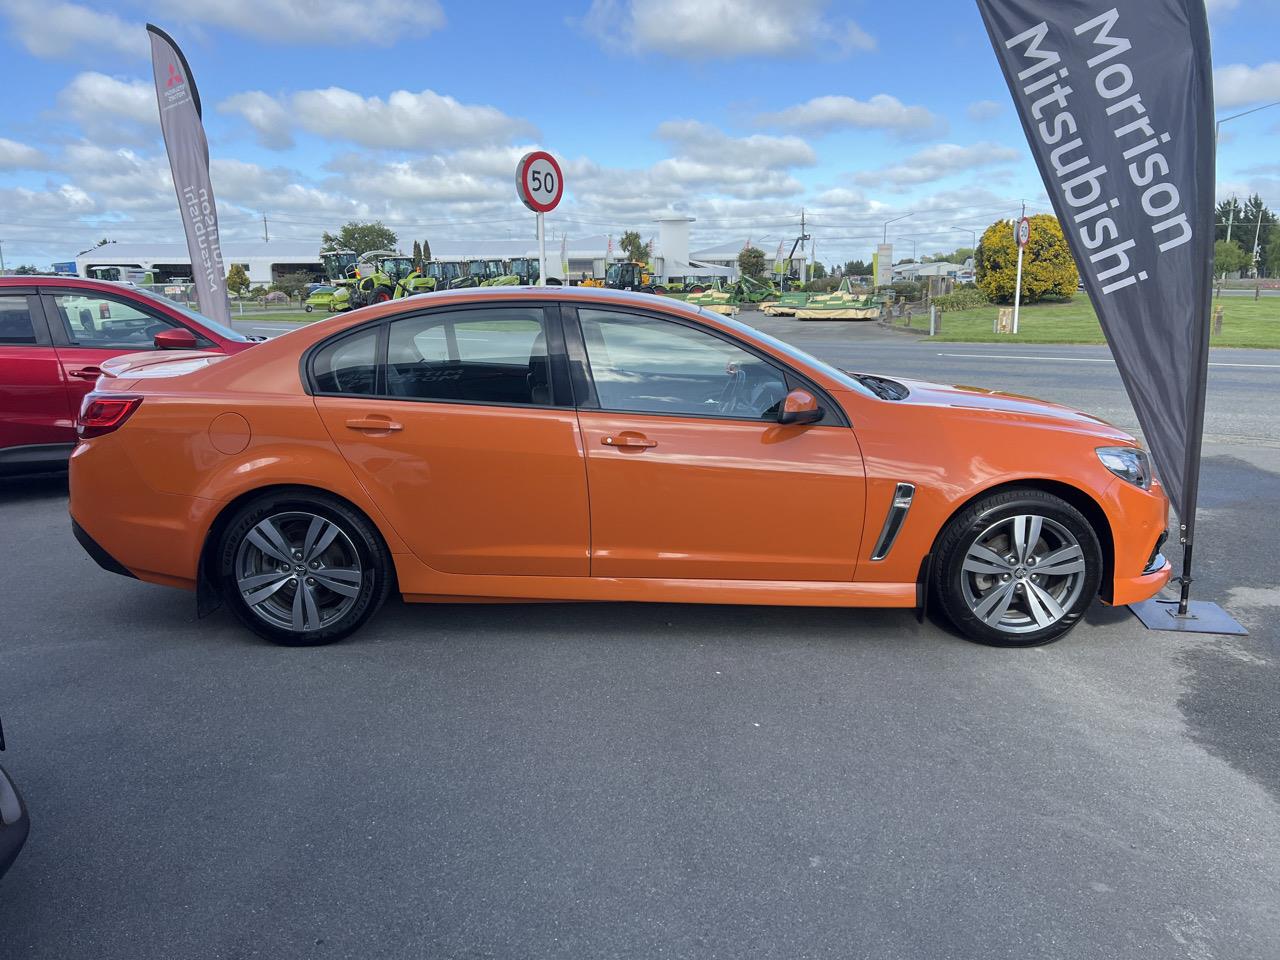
{"x":817,"y":272}
{"x":292,"y":284}
{"x":360,"y":237}
{"x":25,"y":270}
{"x":1047,"y":268}
{"x":1259,"y":223}
{"x":1272,"y":257}
{"x":1228,"y":257}
{"x":857,"y":268}
{"x":237,"y":279}
{"x":417,"y":254}
{"x":426,"y":250}
{"x":634,"y":248}
{"x":751,"y":262}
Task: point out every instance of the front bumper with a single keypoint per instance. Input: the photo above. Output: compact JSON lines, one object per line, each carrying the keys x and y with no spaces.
{"x":14,"y":822}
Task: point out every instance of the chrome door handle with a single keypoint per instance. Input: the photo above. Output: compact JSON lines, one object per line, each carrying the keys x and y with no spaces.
{"x":377,"y":424}
{"x":630,"y":441}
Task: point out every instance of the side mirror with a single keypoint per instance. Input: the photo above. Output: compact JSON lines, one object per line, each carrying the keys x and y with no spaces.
{"x":799,"y":406}
{"x":175,"y":338}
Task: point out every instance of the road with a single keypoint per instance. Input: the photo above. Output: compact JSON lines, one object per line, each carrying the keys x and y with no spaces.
{"x":658,"y":781}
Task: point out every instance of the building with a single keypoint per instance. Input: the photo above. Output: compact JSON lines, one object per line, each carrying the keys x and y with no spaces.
{"x":169,"y":262}
{"x":961,"y":273}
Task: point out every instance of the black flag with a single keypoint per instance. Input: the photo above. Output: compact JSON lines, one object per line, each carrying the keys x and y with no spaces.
{"x":1116,"y":99}
{"x":184,"y":140}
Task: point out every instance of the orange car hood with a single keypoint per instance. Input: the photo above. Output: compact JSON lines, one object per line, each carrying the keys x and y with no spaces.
{"x":1009,"y":406}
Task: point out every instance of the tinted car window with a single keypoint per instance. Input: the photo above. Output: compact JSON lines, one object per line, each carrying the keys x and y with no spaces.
{"x":16,"y":325}
{"x":348,"y":365}
{"x":648,"y":365}
{"x":494,"y":355}
{"x":95,"y":320}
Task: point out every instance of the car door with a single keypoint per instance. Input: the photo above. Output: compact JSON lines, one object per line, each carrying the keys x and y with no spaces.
{"x":35,"y":409}
{"x":690,"y":474}
{"x":460,"y":424}
{"x":90,"y":326}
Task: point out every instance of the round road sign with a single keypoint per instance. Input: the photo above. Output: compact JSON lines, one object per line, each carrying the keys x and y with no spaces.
{"x":1023,"y":232}
{"x":539,"y":182}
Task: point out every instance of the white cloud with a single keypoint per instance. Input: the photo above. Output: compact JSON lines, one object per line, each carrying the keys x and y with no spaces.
{"x":20,"y":156}
{"x":96,"y":98}
{"x":881,"y":112}
{"x":982,"y":110}
{"x":67,"y":30}
{"x":1217,"y":6}
{"x":723,"y":29}
{"x":71,"y":30}
{"x":1238,"y":85}
{"x":267,"y":115}
{"x":701,"y":141}
{"x":404,"y":121}
{"x":382,"y":22}
{"x":936,"y":162}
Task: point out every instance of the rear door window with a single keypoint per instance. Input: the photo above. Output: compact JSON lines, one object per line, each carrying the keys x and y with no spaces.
{"x":17,"y":325}
{"x":348,"y":365}
{"x":490,"y":355}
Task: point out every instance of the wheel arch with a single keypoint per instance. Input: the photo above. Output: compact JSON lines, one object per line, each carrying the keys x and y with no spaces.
{"x":1082,"y":501}
{"x":207,"y":598}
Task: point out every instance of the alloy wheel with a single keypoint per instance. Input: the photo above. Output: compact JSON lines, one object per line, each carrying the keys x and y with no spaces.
{"x":298,"y":571}
{"x":1023,"y":574}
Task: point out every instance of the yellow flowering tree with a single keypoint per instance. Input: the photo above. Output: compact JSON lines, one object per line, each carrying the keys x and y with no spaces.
{"x":1047,"y":268}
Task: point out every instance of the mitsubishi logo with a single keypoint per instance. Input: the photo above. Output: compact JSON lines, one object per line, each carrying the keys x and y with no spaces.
{"x":175,"y":78}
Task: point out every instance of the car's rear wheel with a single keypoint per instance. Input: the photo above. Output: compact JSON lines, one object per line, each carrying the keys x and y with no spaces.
{"x":1017,"y":568}
{"x":302,"y":569}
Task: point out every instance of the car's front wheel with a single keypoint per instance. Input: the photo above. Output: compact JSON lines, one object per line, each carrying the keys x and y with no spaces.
{"x":1017,"y":568}
{"x":302,"y":569}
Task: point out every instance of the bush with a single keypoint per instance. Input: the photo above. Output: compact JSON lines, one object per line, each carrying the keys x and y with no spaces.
{"x":967,"y":297}
{"x":907,"y":290}
{"x":1048,"y":267}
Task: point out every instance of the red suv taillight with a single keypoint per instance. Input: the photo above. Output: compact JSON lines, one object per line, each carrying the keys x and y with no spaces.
{"x":102,"y":413}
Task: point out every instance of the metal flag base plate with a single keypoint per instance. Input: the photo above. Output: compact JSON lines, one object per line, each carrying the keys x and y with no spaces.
{"x":1202,"y":616}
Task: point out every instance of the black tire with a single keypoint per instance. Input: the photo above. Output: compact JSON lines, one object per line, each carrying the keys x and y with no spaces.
{"x":338,"y":612}
{"x":697,"y":288}
{"x":308,"y":308}
{"x":382,"y":295}
{"x":660,"y":290}
{"x":969,"y":589}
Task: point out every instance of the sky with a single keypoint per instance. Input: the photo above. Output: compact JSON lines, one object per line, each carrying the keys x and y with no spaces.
{"x":740,"y":113}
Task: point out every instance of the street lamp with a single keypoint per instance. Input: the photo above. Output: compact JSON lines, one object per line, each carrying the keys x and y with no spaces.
{"x":886,"y":226}
{"x":915,"y":246}
{"x":1244,"y":113}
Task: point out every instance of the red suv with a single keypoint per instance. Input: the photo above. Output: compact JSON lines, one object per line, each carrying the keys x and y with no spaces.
{"x":54,"y":333}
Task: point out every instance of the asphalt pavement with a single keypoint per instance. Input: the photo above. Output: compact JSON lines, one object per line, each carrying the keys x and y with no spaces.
{"x":609,"y":780}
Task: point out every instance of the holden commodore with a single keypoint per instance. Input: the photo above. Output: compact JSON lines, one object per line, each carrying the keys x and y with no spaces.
{"x":587,"y":444}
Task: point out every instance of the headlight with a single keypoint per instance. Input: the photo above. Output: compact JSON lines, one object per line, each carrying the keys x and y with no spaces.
{"x":1127,"y":463}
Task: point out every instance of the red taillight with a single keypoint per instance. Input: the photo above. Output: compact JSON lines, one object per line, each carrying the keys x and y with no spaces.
{"x":102,"y":413}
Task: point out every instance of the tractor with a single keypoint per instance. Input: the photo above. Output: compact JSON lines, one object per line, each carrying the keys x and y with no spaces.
{"x":340,"y":271}
{"x":631,"y":275}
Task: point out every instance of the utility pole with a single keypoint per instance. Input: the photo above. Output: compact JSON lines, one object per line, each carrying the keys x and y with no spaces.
{"x":265,"y":237}
{"x":1257,"y":231}
{"x":1,"y":258}
{"x":1231,"y":215}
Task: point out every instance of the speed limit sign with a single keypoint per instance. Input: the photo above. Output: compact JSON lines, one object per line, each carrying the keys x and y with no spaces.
{"x":539,"y":182}
{"x":1023,"y":233}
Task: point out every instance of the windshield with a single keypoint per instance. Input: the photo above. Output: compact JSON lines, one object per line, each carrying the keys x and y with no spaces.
{"x":808,"y":359}
{"x":199,"y":318}
{"x":614,"y":271}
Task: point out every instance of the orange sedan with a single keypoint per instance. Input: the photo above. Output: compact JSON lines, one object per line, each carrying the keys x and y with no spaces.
{"x":572,"y":444}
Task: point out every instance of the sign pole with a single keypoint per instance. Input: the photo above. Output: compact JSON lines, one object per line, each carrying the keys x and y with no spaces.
{"x":540,"y":185}
{"x":1021,"y":233}
{"x":542,"y":252}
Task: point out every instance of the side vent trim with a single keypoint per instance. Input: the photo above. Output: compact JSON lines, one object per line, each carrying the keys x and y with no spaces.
{"x":902,"y":497}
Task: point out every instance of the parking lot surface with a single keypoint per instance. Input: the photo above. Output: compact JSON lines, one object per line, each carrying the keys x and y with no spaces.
{"x":606,"y":780}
